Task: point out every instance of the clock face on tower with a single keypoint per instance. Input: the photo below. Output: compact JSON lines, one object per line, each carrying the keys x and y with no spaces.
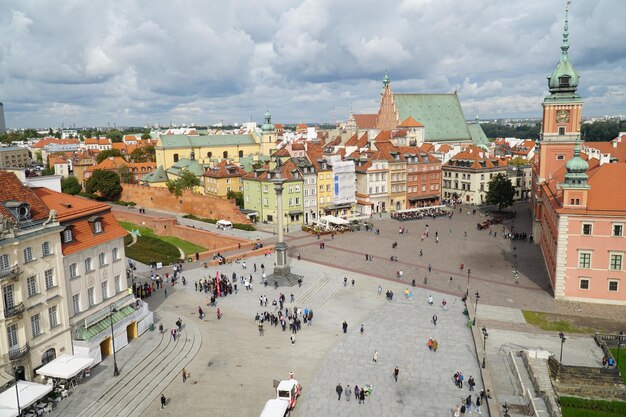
{"x":562,"y":116}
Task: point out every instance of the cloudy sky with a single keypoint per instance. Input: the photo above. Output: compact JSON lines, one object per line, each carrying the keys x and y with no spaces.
{"x":136,"y":62}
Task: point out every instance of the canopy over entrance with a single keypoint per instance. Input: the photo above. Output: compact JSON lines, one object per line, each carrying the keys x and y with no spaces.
{"x":65,"y":366}
{"x":29,"y":393}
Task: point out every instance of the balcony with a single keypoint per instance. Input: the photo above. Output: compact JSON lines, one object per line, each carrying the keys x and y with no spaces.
{"x":19,"y":353}
{"x":14,"y":311}
{"x":10,"y":273}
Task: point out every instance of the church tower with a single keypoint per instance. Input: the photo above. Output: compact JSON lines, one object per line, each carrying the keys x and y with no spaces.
{"x":387,"y":115}
{"x":562,"y":114}
{"x":575,"y":186}
{"x":268,"y":136}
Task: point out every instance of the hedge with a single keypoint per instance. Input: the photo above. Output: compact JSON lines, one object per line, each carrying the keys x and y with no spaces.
{"x":150,"y":249}
{"x":125,"y":203}
{"x":240,"y":226}
{"x":617,"y":408}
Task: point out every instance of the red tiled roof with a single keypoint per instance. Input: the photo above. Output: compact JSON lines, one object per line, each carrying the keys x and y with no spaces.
{"x":411,"y":122}
{"x":48,"y":141}
{"x":13,"y":190}
{"x":365,"y":121}
{"x":75,"y":211}
{"x":225,"y":169}
{"x":616,"y":147}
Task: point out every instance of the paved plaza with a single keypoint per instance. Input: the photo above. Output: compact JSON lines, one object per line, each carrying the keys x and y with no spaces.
{"x":232,"y":367}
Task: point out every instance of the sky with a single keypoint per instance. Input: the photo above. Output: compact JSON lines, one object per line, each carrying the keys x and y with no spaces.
{"x":137,"y":62}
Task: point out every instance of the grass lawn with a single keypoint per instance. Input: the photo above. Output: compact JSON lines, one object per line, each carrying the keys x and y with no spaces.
{"x":188,"y":247}
{"x":580,"y":407}
{"x":150,"y":249}
{"x":622,"y":359}
{"x":542,"y":321}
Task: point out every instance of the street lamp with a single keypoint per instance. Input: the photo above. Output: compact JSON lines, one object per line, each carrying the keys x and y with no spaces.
{"x":112,"y":310}
{"x":619,"y":343}
{"x":485,"y":335}
{"x":17,"y":393}
{"x":476,"y":305}
{"x":563,"y":339}
{"x":469,"y":271}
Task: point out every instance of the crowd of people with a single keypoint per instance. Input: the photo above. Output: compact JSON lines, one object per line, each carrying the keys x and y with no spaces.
{"x":421,"y":214}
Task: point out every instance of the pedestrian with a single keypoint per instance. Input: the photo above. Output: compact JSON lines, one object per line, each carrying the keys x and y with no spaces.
{"x":435,"y":320}
{"x":444,"y":303}
{"x":339,"y":390}
{"x":380,"y":289}
{"x":396,"y":372}
{"x":478,"y":404}
{"x":184,"y":373}
{"x":471,"y":383}
{"x":165,"y":288}
{"x":293,"y":339}
{"x":357,"y":391}
{"x":163,"y":401}
{"x":348,"y":392}
{"x":421,"y":253}
{"x":375,"y":357}
{"x":345,"y":327}
{"x":353,"y":282}
{"x":219,"y":314}
{"x":362,"y":397}
{"x":461,"y":378}
{"x":430,"y":300}
{"x":345,"y":281}
{"x":362,"y":329}
{"x":173,"y":333}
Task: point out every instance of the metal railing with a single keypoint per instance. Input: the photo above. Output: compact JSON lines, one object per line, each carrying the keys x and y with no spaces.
{"x":19,"y":353}
{"x":10,"y":273}
{"x":14,"y":311}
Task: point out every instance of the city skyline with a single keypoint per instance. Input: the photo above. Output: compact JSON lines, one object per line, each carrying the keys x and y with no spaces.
{"x":305,"y":61}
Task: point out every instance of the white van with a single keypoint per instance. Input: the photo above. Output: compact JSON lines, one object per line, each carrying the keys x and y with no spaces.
{"x":224,"y":225}
{"x":275,"y":408}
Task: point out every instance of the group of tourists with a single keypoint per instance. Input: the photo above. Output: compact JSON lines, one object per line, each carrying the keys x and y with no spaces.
{"x":422,"y":213}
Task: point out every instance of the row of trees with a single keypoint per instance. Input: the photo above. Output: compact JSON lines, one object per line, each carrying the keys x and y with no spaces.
{"x":143,"y":154}
{"x":114,"y":134}
{"x":599,"y":131}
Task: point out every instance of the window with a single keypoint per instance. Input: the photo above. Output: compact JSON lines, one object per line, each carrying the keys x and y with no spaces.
{"x":34,"y":323}
{"x":4,"y":262}
{"x":105,"y":290}
{"x":88,"y":265}
{"x":12,"y":335}
{"x":115,"y":254}
{"x":583,"y":284}
{"x":618,"y":229}
{"x":49,"y":278}
{"x":209,"y":154}
{"x":175,"y":157}
{"x":297,"y":201}
{"x":265,"y":188}
{"x":31,"y":283}
{"x":76,"y":303}
{"x":45,"y":249}
{"x":102,"y":258}
{"x":616,"y":262}
{"x":561,"y":130}
{"x":265,"y":202}
{"x":97,"y":226}
{"x":118,"y":283}
{"x":225,"y":154}
{"x":53,"y":316}
{"x":28,"y":254}
{"x":73,"y":271}
{"x":584,"y":260}
{"x":560,"y":157}
{"x":587,"y":229}
{"x":67,"y":236}
{"x":91,"y":297}
{"x":297,"y":188}
{"x":613,"y":285}
{"x":291,"y":201}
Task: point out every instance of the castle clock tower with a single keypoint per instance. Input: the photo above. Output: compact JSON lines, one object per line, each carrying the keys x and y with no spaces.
{"x":562,"y":114}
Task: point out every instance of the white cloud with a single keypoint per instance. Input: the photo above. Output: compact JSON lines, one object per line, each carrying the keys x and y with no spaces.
{"x":129,"y":62}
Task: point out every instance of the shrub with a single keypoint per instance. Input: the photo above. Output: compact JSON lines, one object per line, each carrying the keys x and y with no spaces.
{"x":125,"y":203}
{"x":149,"y":249}
{"x":242,"y":226}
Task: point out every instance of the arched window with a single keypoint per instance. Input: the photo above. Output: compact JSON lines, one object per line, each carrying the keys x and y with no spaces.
{"x":48,"y":356}
{"x":225,"y":154}
{"x":209,"y":154}
{"x":241,"y":154}
{"x":175,"y":157}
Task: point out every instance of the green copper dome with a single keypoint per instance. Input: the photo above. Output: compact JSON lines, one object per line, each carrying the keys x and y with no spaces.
{"x":576,"y":169}
{"x":565,"y":78}
{"x":267,"y":126}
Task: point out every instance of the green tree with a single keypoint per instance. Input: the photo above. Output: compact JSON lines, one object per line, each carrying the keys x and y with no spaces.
{"x":601,"y":131}
{"x":105,"y":183}
{"x":124,"y":173}
{"x":237,"y":196}
{"x":115,"y":135}
{"x":519,"y":161}
{"x":186,"y":181}
{"x":501,"y":192}
{"x":146,"y":135}
{"x":107,"y":153}
{"x":144,"y":154}
{"x":38,"y":156}
{"x":70,"y":185}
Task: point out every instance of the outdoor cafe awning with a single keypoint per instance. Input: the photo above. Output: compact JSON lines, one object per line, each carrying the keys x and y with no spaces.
{"x":65,"y":366}
{"x":333,"y":220}
{"x":29,"y":393}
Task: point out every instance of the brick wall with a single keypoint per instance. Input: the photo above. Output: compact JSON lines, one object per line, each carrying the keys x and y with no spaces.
{"x":168,"y":226}
{"x":206,"y":206}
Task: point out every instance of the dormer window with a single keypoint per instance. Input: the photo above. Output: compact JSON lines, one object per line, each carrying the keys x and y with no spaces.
{"x":68,"y":235}
{"x":96,"y":224}
{"x":564,"y":81}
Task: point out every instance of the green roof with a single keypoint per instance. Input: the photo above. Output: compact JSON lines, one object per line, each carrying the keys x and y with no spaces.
{"x":186,"y":164}
{"x":104,"y":324}
{"x":158,"y":175}
{"x":186,"y":141}
{"x":478,"y":135}
{"x":441,"y":114}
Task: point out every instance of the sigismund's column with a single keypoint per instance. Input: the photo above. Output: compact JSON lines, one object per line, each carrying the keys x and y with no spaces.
{"x":281,"y":247}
